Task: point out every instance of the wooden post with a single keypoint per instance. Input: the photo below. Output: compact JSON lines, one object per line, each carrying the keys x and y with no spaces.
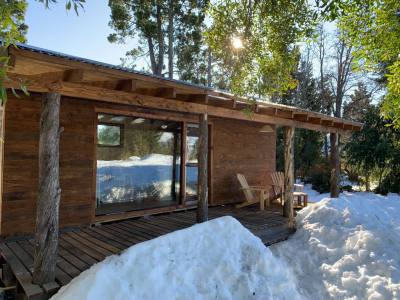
{"x":174,"y":159}
{"x":289,"y":175}
{"x":2,"y":123}
{"x":183,"y":164}
{"x":335,"y":165}
{"x":46,"y":235}
{"x":202,"y":179}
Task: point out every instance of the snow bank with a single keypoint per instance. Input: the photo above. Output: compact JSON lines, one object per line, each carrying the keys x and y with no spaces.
{"x":313,"y":195}
{"x":219,"y":259}
{"x":347,"y":248}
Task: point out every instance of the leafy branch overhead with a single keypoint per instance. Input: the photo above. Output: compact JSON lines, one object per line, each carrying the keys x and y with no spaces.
{"x":163,"y":28}
{"x":13,"y":30}
{"x":269,"y":31}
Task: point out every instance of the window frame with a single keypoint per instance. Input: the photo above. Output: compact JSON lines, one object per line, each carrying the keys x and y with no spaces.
{"x":121,"y":135}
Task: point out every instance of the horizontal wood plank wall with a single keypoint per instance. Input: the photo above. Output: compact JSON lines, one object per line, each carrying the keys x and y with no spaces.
{"x":21,"y":163}
{"x":239,"y":147}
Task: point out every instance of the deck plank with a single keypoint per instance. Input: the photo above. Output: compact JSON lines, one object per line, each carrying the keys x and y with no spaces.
{"x":21,"y":273}
{"x":80,"y":249}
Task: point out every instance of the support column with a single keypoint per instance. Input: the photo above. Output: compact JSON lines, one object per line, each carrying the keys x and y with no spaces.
{"x":202,"y":179}
{"x":289,"y":175}
{"x":49,"y":192}
{"x":335,"y":165}
{"x":2,"y":123}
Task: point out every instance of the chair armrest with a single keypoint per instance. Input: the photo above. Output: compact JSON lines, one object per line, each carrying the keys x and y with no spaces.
{"x":255,"y":188}
{"x":298,"y":187}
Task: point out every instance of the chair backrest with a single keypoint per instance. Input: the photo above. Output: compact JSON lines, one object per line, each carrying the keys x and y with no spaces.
{"x":278,"y":182}
{"x":245,"y":187}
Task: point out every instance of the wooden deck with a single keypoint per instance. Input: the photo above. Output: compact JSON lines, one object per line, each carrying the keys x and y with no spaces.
{"x":81,"y":248}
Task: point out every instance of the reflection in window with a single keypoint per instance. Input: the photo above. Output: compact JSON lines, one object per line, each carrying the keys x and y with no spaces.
{"x":138,"y":163}
{"x":108,"y":135}
{"x":192,"y":143}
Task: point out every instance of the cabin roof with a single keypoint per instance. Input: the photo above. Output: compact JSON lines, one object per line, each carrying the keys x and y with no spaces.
{"x":44,"y":70}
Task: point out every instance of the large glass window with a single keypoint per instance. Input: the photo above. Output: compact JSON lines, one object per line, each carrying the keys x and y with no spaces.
{"x":138,"y":163}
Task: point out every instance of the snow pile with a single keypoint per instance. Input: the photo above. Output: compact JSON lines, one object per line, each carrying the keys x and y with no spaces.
{"x":347,"y":248}
{"x":219,"y":259}
{"x":313,"y":195}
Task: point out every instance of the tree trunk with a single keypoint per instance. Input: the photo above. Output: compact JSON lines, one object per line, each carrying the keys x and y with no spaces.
{"x":171,"y":39}
{"x":160,"y":40}
{"x":209,"y":61}
{"x":367,"y":185}
{"x":335,"y":165}
{"x":46,"y":235}
{"x":289,"y":175}
{"x":202,"y":180}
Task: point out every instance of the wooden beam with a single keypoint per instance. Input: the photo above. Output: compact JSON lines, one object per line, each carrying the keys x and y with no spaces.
{"x":289,"y":175}
{"x":202,"y":179}
{"x":127,"y":85}
{"x":165,"y":92}
{"x":47,"y":62}
{"x":183,"y":163}
{"x":73,"y":75}
{"x":80,"y":90}
{"x":198,"y":98}
{"x":327,"y":122}
{"x":300,"y":116}
{"x":314,"y":120}
{"x":47,"y":223}
{"x":338,"y":125}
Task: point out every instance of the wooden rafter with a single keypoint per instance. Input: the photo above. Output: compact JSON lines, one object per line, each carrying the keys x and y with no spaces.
{"x":56,"y":68}
{"x":85,"y":91}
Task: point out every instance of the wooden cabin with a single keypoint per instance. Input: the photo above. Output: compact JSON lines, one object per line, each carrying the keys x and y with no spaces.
{"x":129,"y":142}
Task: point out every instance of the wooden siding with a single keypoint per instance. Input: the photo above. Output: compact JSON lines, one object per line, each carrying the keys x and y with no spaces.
{"x":239,"y":147}
{"x":21,"y":163}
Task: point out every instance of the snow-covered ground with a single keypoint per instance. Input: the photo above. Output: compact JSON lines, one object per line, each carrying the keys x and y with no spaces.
{"x":345,"y":248}
{"x":219,"y":259}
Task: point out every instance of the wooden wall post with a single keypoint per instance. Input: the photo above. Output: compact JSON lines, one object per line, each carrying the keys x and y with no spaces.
{"x":289,"y":175}
{"x":202,"y":179}
{"x":46,"y":234}
{"x":2,"y":123}
{"x":335,"y":165}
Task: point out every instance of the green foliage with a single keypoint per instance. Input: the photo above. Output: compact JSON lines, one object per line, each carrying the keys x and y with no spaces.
{"x":319,"y":176}
{"x":375,"y":151}
{"x":358,"y":105}
{"x":308,"y":144}
{"x":269,"y":31}
{"x":373,"y":28}
{"x":12,"y":24}
{"x":148,"y":22}
{"x":75,"y":4}
{"x":13,"y":30}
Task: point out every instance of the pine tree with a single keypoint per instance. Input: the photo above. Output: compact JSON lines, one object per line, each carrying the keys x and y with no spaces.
{"x":163,"y":28}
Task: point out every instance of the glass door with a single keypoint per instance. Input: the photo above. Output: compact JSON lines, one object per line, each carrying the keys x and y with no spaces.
{"x":138,"y":163}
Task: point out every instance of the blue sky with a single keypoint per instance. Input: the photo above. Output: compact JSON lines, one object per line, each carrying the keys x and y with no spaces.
{"x":84,"y":35}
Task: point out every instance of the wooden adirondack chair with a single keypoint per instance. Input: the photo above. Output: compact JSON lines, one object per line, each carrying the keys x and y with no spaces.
{"x":250,"y":191}
{"x":278,"y":183}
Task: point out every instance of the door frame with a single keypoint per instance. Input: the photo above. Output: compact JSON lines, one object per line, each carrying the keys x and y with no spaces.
{"x":160,"y":115}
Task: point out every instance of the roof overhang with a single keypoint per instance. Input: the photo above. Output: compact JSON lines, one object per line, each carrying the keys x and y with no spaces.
{"x":44,"y":71}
